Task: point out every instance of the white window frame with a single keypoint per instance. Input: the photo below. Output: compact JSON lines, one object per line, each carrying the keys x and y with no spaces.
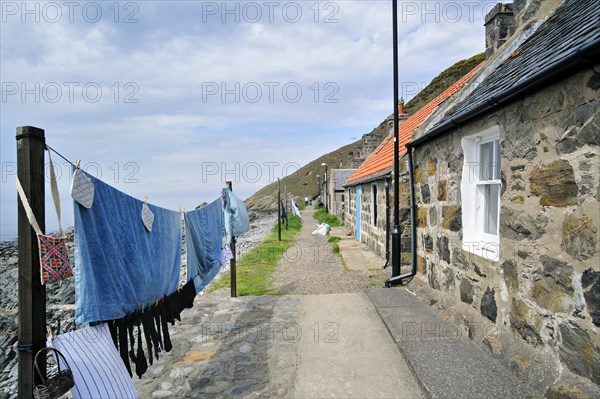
{"x":475,"y":239}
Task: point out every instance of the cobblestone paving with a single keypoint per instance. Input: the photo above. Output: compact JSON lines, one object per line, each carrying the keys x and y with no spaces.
{"x":229,"y":347}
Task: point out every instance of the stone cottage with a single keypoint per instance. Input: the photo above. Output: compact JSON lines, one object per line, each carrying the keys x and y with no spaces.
{"x":335,"y":191}
{"x":368,"y":189}
{"x":507,"y":180}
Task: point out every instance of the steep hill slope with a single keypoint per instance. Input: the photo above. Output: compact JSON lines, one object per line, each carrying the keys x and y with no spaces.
{"x":304,"y":182}
{"x":442,"y":82}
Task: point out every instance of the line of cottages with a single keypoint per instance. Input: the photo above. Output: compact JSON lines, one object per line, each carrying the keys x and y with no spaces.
{"x":506,"y":168}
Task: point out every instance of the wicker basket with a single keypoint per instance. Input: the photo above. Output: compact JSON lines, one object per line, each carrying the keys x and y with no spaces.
{"x":56,"y":384}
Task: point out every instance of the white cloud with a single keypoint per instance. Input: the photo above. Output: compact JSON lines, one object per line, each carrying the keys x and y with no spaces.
{"x":175,"y":52}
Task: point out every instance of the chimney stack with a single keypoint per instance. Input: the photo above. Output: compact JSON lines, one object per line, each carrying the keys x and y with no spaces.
{"x":499,"y":26}
{"x":401,"y":106}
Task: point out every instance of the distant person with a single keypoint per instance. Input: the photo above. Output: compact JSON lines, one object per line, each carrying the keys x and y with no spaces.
{"x":310,"y":202}
{"x":305,"y":200}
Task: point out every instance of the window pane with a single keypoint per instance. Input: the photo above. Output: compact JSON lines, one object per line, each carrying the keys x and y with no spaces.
{"x":497,"y":160}
{"x":491,"y":194}
{"x":486,"y":161}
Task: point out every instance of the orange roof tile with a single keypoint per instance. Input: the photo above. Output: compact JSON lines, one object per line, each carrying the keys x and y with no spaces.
{"x":383,"y":157}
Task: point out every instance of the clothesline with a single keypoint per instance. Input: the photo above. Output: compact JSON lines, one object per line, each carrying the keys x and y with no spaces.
{"x":74,"y":165}
{"x":128,"y":256}
{"x":60,"y":155}
{"x":114,"y":223}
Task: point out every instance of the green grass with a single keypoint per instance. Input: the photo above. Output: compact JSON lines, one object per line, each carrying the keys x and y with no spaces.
{"x":255,"y":270}
{"x":322,"y":216}
{"x":301,"y":205}
{"x":334,"y":239}
{"x":335,"y":248}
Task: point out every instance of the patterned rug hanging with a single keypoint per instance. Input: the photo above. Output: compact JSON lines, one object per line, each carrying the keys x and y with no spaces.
{"x":53,"y":251}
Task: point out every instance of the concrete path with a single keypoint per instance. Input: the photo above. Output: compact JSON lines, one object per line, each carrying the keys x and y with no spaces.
{"x":346,"y":352}
{"x":356,"y":254}
{"x":446,"y":363}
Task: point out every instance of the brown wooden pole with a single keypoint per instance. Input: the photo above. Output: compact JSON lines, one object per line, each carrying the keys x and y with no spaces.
{"x":279,"y":209}
{"x":32,"y":294}
{"x":285,"y":206}
{"x":233,"y":261}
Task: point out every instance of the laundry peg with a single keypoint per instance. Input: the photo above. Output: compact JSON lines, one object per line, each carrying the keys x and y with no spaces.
{"x":77,"y":163}
{"x":147,"y":215}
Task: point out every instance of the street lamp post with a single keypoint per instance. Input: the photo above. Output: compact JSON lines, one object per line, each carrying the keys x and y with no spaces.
{"x":326,"y":181}
{"x":396,"y":246}
{"x":318,"y":189}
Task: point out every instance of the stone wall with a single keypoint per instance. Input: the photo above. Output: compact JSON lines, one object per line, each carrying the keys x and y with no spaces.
{"x":338,"y":205}
{"x":350,"y":216}
{"x":371,"y":234}
{"x":544,"y":289}
{"x":374,"y":234}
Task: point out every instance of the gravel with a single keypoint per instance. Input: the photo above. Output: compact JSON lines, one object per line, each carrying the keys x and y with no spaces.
{"x":310,"y":266}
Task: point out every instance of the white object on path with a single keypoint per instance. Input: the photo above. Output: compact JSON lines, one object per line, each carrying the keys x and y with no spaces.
{"x":321,"y":230}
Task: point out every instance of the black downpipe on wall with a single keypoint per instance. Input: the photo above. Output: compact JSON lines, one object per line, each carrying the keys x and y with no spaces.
{"x":387,"y":223}
{"x":413,"y":226}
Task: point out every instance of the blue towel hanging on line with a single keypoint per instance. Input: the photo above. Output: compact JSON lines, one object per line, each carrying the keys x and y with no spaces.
{"x":203,"y":242}
{"x":120,"y":265}
{"x":236,"y":219}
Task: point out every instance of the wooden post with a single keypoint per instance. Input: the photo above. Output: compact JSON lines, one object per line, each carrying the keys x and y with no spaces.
{"x":285,"y":206}
{"x":32,"y":294}
{"x":279,"y":209}
{"x":233,"y":261}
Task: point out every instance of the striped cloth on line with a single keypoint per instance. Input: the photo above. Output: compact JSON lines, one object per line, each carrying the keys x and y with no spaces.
{"x":97,"y":368}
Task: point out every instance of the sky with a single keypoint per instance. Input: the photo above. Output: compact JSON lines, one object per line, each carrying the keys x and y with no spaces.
{"x":170,"y":99}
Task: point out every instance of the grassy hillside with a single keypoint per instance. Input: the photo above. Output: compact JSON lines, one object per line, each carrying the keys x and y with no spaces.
{"x":303,"y":183}
{"x":442,"y":82}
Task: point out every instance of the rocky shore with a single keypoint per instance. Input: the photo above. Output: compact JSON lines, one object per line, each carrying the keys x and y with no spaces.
{"x":60,"y":298}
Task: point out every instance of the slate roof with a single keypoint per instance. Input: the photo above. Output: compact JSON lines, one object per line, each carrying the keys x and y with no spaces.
{"x":574,"y":25}
{"x":380,"y":162}
{"x":340,"y":176}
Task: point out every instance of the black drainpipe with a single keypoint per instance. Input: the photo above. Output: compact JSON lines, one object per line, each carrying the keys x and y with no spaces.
{"x":584,"y":55}
{"x":387,"y":223}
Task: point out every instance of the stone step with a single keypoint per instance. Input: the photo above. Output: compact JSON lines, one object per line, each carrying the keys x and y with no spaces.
{"x":444,"y":360}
